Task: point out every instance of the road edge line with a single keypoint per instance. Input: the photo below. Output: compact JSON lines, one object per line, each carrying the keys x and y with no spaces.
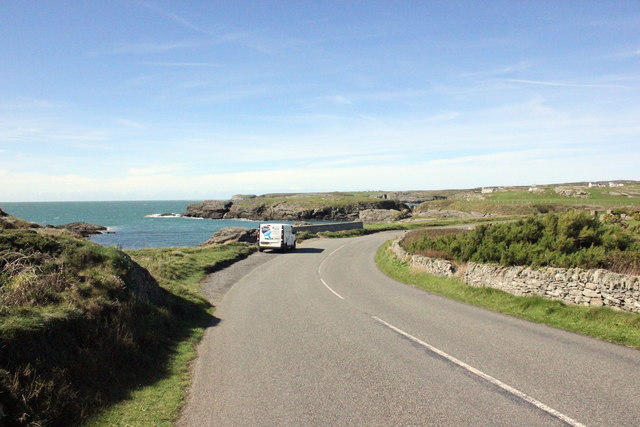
{"x":549,"y":410}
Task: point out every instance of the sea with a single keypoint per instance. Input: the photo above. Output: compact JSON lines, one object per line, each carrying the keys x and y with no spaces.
{"x":130,"y":224}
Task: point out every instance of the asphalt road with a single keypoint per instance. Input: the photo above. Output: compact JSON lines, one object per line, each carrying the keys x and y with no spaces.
{"x":320,"y":337}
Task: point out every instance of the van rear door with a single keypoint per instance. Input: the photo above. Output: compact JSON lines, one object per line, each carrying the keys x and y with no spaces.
{"x":271,"y":235}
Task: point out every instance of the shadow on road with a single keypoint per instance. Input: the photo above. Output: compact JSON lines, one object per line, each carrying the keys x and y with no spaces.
{"x":308,"y":251}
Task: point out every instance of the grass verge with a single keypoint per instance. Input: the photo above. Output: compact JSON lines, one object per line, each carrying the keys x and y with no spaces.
{"x":179,"y":271}
{"x":598,"y":322}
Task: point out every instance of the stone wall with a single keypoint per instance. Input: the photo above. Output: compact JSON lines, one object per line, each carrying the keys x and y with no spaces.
{"x":595,"y":287}
{"x":435,"y":266}
{"x":337,"y":226}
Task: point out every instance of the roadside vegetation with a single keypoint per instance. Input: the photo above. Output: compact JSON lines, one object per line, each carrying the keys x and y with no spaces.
{"x":598,"y":322}
{"x":572,"y":239}
{"x":179,"y":271}
{"x":76,"y":341}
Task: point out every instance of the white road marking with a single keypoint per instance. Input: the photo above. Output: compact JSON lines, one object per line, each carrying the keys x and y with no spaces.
{"x":328,"y":287}
{"x":335,"y":251}
{"x":327,"y":257}
{"x":322,"y":280}
{"x":484,"y":376}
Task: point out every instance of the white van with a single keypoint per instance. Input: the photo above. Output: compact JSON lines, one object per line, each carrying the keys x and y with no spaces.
{"x":276,"y":236}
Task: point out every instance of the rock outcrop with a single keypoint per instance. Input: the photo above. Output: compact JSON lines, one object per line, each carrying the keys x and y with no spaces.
{"x":9,"y":222}
{"x":571,"y":192}
{"x":143,"y":285}
{"x":373,"y":216}
{"x":212,"y":209}
{"x":237,"y":197}
{"x":232,"y":234}
{"x":413,"y":197}
{"x":446,"y":213}
{"x":82,"y":228}
{"x":287,"y":210}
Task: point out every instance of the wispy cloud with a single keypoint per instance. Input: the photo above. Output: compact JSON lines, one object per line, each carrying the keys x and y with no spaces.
{"x":340,"y":99}
{"x":509,"y":69}
{"x":180,"y":20}
{"x":442,"y":117}
{"x":153,"y":47}
{"x":567,"y":84}
{"x":522,"y":168}
{"x":181,"y":64}
{"x":130,"y":123}
{"x":624,"y":55}
{"x":249,"y":39}
{"x":26,"y":103}
{"x":154,"y":170}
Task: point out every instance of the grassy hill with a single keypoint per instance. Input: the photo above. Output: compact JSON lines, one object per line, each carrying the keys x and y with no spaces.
{"x":83,"y":327}
{"x":521,"y":201}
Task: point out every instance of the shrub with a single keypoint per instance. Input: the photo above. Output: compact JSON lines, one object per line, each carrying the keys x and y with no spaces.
{"x":573,"y":239}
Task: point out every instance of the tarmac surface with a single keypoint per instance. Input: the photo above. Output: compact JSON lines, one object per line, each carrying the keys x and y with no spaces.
{"x":319,"y":336}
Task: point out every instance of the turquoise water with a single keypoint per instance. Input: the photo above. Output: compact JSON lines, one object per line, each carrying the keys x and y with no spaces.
{"x":132,"y":223}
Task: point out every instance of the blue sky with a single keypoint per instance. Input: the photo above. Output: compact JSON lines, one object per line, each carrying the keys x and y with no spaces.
{"x":148,"y":99}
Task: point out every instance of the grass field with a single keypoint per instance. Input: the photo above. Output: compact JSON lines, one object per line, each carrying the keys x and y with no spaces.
{"x":598,"y":322}
{"x":522,"y":202}
{"x":605,"y":197}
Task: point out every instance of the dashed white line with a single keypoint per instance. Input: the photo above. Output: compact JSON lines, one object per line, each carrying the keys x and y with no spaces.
{"x":484,"y":376}
{"x":329,"y":287}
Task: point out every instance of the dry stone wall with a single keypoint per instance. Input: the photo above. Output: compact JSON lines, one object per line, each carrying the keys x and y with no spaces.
{"x":336,"y":226}
{"x":595,"y":287}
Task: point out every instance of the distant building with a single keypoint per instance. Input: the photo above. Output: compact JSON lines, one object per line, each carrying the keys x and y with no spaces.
{"x":616,"y":184}
{"x":596,"y":185}
{"x":486,"y":190}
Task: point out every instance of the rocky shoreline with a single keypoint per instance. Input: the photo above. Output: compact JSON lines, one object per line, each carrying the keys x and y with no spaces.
{"x":82,"y":229}
{"x":287,"y":210}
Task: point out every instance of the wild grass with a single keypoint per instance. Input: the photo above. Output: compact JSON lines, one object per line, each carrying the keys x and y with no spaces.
{"x":75,"y":340}
{"x":598,"y":322}
{"x":178,"y":270}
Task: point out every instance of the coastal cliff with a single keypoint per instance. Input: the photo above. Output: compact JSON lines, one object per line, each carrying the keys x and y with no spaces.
{"x":293,"y":209}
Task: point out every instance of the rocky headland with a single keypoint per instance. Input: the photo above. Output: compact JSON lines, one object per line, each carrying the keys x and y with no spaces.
{"x":82,"y":229}
{"x":293,"y":209}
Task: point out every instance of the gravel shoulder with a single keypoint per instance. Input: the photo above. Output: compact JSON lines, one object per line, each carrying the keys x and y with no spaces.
{"x":215,"y":285}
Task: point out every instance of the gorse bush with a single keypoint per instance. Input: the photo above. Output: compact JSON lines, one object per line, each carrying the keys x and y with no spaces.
{"x":573,"y":239}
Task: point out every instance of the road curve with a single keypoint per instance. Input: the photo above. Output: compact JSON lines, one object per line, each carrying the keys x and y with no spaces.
{"x":320,"y":336}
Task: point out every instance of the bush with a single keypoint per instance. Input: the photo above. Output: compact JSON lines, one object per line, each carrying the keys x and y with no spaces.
{"x":573,"y":239}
